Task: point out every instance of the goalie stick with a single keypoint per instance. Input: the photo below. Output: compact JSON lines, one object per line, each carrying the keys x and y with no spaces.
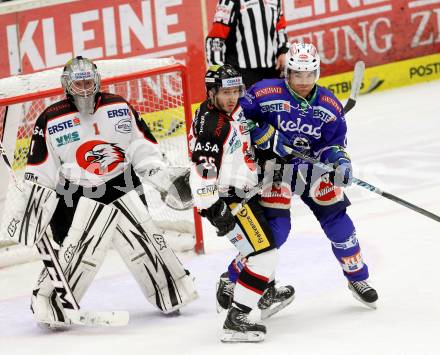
{"x":71,"y":307}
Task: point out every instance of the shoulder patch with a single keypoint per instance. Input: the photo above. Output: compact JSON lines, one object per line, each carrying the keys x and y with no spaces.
{"x":270,"y":90}
{"x":59,"y":108}
{"x":332,"y":102}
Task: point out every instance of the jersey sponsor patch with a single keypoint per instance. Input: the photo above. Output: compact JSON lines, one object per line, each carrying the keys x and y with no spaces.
{"x":324,"y":193}
{"x":270,"y":90}
{"x":206,"y":147}
{"x":67,"y":138}
{"x":275,"y":106}
{"x":323,"y":114}
{"x":331,"y":101}
{"x":208,"y":190}
{"x":121,"y":112}
{"x":299,"y":127}
{"x":233,"y":143}
{"x":99,"y":157}
{"x":123,"y":126}
{"x":61,"y":126}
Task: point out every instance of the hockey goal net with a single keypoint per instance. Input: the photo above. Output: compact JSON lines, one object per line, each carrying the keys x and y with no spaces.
{"x":156,"y":88}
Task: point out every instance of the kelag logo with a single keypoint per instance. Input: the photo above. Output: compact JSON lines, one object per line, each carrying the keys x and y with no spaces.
{"x":59,"y":127}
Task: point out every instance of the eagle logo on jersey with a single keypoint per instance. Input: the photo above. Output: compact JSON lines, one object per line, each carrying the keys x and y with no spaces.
{"x":99,"y":157}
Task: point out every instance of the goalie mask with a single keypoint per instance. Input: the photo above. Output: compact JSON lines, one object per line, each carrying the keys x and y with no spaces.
{"x":81,"y":82}
{"x":302,"y":67}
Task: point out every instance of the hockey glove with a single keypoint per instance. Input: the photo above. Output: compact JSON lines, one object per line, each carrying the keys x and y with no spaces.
{"x":266,"y":137}
{"x":178,"y":196}
{"x":220,"y":217}
{"x":343,"y":174}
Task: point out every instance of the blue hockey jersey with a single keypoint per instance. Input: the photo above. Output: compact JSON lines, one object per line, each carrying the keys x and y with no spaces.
{"x":313,"y":125}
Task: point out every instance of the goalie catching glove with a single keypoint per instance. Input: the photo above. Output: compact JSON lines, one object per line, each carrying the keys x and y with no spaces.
{"x":175,"y":192}
{"x":220,"y":216}
{"x":178,"y":196}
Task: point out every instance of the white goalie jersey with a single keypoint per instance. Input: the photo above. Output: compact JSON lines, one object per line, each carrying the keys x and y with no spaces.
{"x":89,"y":151}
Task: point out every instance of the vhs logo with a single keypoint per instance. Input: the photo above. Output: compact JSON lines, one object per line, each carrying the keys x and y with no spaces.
{"x":67,"y":138}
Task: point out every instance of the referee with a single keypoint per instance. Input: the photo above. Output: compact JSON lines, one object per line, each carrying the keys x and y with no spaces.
{"x":251,"y":36}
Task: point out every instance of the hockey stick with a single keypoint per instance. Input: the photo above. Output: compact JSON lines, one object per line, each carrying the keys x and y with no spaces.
{"x":366,"y":185}
{"x":358,"y":76}
{"x":71,"y":307}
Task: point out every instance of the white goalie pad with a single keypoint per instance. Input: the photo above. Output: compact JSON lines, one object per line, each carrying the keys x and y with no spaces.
{"x":29,"y":210}
{"x":83,"y":251}
{"x":159,"y":273}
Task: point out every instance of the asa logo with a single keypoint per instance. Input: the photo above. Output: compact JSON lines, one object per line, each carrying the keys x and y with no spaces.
{"x":99,"y":157}
{"x":67,"y":138}
{"x":324,"y":193}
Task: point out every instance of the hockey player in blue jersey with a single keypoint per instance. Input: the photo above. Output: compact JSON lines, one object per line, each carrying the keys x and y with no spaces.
{"x":297,"y":112}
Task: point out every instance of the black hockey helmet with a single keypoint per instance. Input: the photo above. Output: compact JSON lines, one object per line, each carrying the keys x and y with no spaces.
{"x":222,"y":76}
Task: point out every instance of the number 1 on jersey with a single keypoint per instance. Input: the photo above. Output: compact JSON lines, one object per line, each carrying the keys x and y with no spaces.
{"x":95,"y":126}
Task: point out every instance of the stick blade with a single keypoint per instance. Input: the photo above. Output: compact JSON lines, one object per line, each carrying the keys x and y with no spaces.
{"x":96,"y":319}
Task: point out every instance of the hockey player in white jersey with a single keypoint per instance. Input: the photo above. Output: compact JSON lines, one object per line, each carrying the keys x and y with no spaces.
{"x":222,"y":171}
{"x":95,"y":151}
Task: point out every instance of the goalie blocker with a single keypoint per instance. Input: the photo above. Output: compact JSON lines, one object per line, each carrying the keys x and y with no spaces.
{"x":30,"y":209}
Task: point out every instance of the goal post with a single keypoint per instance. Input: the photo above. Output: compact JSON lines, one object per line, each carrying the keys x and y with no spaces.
{"x":157,"y":88}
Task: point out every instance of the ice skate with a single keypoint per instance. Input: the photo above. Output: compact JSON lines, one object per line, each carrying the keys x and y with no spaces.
{"x":275,"y":299}
{"x":239,"y":328}
{"x":364,"y":293}
{"x":225,"y":292}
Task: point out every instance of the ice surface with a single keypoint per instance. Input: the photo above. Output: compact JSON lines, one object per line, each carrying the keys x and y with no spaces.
{"x":394,"y":141}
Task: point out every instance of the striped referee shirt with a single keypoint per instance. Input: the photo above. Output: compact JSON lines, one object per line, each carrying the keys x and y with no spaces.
{"x":247,"y":34}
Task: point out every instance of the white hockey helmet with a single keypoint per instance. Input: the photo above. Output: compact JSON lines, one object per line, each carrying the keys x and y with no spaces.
{"x":81,"y":81}
{"x":302,"y":57}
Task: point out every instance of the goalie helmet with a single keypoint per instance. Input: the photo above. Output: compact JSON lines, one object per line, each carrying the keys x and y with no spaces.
{"x":302,"y":57}
{"x":223,"y":76}
{"x":81,"y":82}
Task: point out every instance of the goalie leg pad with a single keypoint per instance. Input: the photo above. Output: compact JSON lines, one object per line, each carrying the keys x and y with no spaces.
{"x":30,"y":208}
{"x":159,"y":273}
{"x":45,"y":305}
{"x":82,"y":252}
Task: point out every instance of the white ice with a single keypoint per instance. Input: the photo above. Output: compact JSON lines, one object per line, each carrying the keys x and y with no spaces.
{"x":394,"y":141}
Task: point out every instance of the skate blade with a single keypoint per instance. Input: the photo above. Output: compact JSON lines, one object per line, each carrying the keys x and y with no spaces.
{"x":268,"y":312}
{"x":231,"y":336}
{"x":371,"y":305}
